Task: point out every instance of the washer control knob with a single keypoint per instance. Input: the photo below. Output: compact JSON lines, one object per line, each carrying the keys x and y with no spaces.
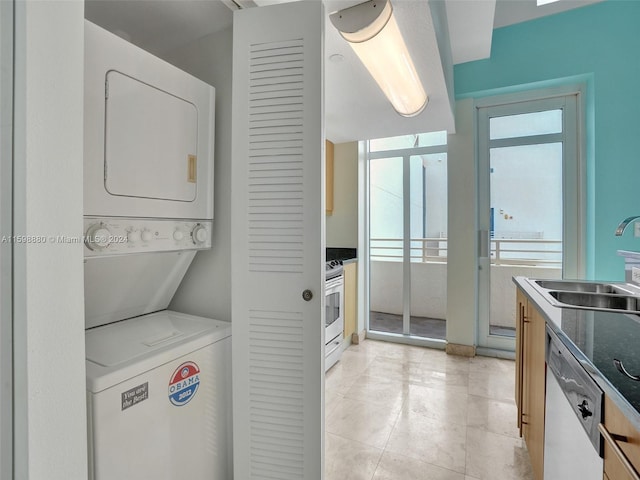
{"x":133,"y":236}
{"x":146,"y":236}
{"x":199,"y":234}
{"x":178,"y":235}
{"x":97,"y":237}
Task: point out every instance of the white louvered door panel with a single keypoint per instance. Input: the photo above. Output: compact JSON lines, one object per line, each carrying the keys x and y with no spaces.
{"x":278,"y":242}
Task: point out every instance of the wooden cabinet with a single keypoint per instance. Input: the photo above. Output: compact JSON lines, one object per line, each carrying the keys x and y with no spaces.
{"x":350,"y":298}
{"x":531,"y":380}
{"x":621,"y":444}
{"x":328,"y":182}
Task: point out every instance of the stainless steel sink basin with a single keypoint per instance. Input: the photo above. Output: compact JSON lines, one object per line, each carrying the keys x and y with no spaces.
{"x":571,"y":286}
{"x":590,"y":295}
{"x":597,"y":301}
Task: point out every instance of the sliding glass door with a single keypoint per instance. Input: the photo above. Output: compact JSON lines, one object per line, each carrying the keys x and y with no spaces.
{"x":407,"y":238}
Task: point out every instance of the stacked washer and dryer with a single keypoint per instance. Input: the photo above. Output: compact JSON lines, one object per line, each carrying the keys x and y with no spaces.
{"x":158,"y":381}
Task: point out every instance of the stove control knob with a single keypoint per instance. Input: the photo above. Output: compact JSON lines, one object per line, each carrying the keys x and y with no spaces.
{"x":178,"y":235}
{"x":133,"y":236}
{"x":199,"y":234}
{"x":146,"y":235}
{"x":97,"y":237}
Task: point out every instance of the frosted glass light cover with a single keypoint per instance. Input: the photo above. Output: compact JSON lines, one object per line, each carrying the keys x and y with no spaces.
{"x":381,"y":48}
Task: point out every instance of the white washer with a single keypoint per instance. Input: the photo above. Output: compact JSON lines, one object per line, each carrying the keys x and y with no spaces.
{"x":159,"y":398}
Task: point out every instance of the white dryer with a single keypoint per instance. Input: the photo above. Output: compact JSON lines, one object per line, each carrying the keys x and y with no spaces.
{"x":159,"y":398}
{"x":148,"y":136}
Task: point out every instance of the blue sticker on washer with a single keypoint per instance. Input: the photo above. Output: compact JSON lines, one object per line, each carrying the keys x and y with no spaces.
{"x":184,"y":384}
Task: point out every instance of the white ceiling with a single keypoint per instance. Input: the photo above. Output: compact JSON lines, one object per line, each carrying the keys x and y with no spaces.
{"x":355,"y":108}
{"x":509,"y":12}
{"x":159,"y":26}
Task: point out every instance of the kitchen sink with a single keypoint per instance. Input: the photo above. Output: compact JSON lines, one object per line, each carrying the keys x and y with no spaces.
{"x":598,"y":301}
{"x":590,"y":295}
{"x":571,"y":286}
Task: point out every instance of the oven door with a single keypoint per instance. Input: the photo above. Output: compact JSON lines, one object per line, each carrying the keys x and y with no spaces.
{"x":334,"y":322}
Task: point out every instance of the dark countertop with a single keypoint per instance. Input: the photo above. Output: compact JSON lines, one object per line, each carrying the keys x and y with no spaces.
{"x":341,"y":253}
{"x":595,"y":338}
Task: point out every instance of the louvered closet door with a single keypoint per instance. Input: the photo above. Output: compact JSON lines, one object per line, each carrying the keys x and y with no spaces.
{"x":278,"y":242}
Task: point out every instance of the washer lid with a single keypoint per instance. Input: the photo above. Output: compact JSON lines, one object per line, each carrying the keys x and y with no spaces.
{"x":120,"y":351}
{"x":121,"y":342}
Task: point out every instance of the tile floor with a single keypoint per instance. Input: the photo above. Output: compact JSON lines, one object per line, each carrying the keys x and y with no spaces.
{"x":398,"y":412}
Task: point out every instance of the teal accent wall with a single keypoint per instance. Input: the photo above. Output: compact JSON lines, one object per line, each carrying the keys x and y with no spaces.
{"x":600,"y":44}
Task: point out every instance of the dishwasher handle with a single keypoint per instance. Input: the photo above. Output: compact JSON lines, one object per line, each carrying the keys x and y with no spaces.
{"x":583,"y":408}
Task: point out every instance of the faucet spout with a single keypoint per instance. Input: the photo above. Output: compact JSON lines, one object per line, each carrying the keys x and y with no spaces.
{"x":623,"y":225}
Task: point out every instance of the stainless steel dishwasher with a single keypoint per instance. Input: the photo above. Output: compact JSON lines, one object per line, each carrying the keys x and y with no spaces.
{"x":573,"y":410}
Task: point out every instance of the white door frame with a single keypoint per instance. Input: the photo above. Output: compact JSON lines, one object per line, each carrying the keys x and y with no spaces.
{"x":405,"y":154}
{"x":571,"y":99}
{"x":6,"y":251}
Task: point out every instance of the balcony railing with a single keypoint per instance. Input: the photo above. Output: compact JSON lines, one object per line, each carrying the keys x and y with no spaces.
{"x":504,"y":251}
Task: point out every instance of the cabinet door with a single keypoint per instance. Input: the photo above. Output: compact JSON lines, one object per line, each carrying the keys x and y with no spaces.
{"x":277,"y":242}
{"x":535,"y":370}
{"x":521,"y":306}
{"x":626,"y":439}
{"x":531,"y":380}
{"x":329,"y":170}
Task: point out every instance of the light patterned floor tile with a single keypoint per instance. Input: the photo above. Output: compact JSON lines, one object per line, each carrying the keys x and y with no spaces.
{"x":436,"y":360}
{"x":437,"y":403}
{"x":497,"y":416}
{"x":496,"y":457}
{"x":493,"y":365}
{"x":364,"y":422}
{"x":388,"y":394}
{"x":430,"y":441}
{"x":394,"y":466}
{"x":349,"y":460}
{"x":496,"y":385}
{"x":403,"y":412}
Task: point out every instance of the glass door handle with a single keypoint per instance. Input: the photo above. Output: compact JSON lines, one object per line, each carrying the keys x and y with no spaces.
{"x":483,"y":243}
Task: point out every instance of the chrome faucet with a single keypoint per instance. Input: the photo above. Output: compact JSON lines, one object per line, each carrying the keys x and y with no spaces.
{"x":623,"y":225}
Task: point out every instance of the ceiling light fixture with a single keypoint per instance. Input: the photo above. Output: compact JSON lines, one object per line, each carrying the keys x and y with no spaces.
{"x":373,"y":33}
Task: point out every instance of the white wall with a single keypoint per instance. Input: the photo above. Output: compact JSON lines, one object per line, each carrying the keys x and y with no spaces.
{"x":342,"y":225}
{"x":206,"y":288}
{"x":428,"y":288}
{"x":503,"y":290}
{"x":462,"y":274}
{"x":6,"y":134}
{"x":49,"y":361}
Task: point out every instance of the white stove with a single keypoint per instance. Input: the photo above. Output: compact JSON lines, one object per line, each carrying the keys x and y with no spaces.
{"x":334,"y":312}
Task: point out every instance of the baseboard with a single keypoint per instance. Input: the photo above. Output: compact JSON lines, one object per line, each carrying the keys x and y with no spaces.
{"x":461,"y":350}
{"x":357,"y":338}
